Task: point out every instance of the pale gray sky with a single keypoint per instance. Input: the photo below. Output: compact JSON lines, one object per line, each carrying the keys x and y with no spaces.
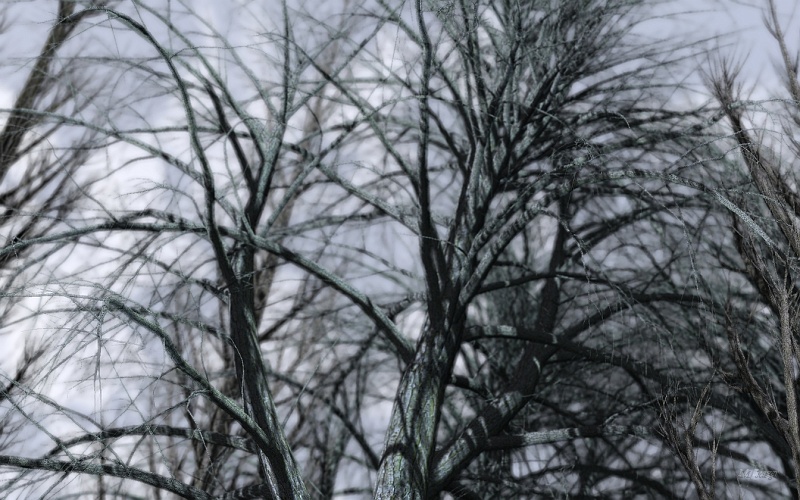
{"x":742,"y":33}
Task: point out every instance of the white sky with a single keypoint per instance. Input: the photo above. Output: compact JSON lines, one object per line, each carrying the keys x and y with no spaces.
{"x":739,"y":22}
{"x":742,"y":34}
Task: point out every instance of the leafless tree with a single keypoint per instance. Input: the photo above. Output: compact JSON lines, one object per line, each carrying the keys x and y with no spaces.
{"x":41,"y":183}
{"x":401,"y":249}
{"x":752,"y":279}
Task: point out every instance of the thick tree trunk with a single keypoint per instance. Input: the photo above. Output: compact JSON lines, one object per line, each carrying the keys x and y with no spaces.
{"x":411,"y":437}
{"x":281,"y":470}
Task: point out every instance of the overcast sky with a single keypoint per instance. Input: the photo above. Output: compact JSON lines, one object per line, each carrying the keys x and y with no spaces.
{"x":738,"y":23}
{"x":742,"y":34}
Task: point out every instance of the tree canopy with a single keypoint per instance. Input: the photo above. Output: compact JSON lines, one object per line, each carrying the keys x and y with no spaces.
{"x":395,"y":249}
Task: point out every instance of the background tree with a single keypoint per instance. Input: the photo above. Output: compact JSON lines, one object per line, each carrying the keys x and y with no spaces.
{"x":751,"y":284}
{"x":41,"y":182}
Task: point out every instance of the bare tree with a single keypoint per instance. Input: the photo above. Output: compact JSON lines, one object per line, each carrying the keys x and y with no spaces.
{"x":544,"y":179}
{"x":755,"y":352}
{"x":401,"y":249}
{"x":40,"y":186}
